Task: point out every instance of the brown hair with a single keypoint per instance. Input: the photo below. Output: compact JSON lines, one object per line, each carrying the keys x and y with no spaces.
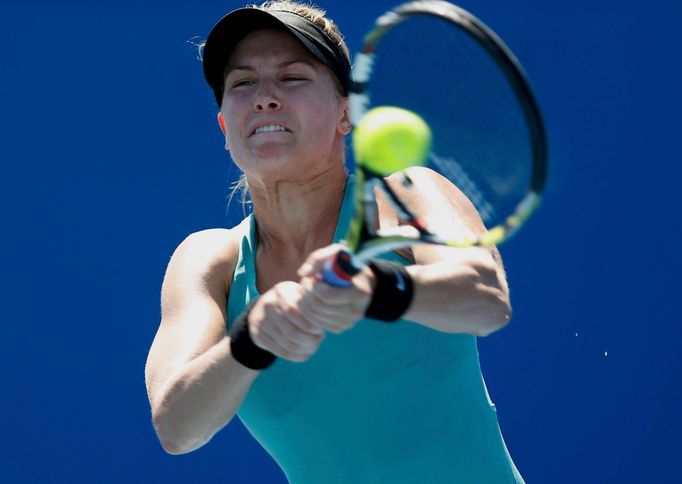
{"x":312,"y":13}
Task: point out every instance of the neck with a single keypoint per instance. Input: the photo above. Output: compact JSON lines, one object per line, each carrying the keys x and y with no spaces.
{"x":296,"y":217}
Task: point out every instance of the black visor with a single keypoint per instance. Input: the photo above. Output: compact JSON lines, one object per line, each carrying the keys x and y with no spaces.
{"x":235,"y":25}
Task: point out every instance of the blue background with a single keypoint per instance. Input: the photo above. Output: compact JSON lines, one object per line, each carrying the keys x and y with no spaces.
{"x":111,"y":155}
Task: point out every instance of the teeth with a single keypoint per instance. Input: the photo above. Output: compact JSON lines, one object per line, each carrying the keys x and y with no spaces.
{"x":270,"y":128}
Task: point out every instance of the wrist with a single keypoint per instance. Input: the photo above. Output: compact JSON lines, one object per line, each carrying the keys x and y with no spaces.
{"x":242,"y":347}
{"x":392,"y":292}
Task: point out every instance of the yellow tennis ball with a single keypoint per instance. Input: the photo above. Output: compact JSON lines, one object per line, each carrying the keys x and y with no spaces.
{"x":389,"y":139}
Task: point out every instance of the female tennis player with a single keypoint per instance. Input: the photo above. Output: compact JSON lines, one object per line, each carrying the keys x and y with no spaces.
{"x":378,"y":382}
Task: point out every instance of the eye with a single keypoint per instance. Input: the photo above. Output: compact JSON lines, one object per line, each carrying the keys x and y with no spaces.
{"x":294,"y":78}
{"x":241,"y":82}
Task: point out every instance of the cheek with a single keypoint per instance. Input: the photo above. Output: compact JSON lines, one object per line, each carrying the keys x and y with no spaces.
{"x":325,"y":120}
{"x":233,"y":128}
{"x":232,"y":110}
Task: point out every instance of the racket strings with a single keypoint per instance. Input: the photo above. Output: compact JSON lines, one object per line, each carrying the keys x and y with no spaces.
{"x":454,"y":172}
{"x":481,"y":142}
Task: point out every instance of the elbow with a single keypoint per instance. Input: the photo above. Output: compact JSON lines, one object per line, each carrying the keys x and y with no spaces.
{"x":495,"y":314}
{"x":173,"y":447}
{"x":172,"y":439}
{"x":493,"y":307}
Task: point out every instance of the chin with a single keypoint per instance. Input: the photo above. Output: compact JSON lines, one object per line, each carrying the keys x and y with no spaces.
{"x":271,"y":162}
{"x":271,"y":151}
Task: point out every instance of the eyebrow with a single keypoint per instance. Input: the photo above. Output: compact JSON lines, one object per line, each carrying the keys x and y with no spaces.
{"x":281,"y":65}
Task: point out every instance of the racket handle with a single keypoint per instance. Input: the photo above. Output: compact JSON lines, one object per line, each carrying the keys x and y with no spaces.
{"x":339,"y":271}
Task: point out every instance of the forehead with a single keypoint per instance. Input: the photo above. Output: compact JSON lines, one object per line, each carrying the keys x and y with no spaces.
{"x":273,"y":43}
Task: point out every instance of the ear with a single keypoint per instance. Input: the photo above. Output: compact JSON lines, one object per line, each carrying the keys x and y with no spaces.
{"x":345,"y":124}
{"x":221,"y":122}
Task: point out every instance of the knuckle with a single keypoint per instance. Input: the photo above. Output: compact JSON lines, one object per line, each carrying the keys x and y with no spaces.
{"x":318,"y":337}
{"x":302,"y":358}
{"x":298,"y":353}
{"x":301,"y":325}
{"x":277,"y":291}
{"x":283,"y":288}
{"x":314,"y":341}
{"x":289,"y":356}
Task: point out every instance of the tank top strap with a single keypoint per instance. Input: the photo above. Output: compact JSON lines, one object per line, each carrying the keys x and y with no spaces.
{"x":243,"y":288}
{"x":346,"y":212}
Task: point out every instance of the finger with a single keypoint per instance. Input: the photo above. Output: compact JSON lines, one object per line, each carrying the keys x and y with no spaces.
{"x":290,"y":330}
{"x":281,"y":337}
{"x":287,"y":303}
{"x":274,"y":346}
{"x":319,"y":293}
{"x":335,"y":319}
{"x":332,"y":309}
{"x":334,"y":324}
{"x":304,"y":326}
{"x":271,"y":330}
{"x":315,"y":261}
{"x":297,"y":337}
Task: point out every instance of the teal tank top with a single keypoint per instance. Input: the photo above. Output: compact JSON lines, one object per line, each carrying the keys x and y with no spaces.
{"x":381,"y":403}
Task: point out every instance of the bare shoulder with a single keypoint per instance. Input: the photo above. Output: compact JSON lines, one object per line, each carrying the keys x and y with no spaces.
{"x":210,"y":248}
{"x":212,"y":241}
{"x":205,"y":260}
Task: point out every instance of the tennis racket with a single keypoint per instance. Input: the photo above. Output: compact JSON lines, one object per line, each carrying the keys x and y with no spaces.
{"x":439,"y":61}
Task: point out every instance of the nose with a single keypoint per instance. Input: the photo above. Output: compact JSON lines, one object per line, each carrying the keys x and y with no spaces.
{"x":266,"y":98}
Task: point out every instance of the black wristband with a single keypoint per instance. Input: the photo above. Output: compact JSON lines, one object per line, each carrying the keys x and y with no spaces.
{"x":242,"y":347}
{"x":393,"y":292}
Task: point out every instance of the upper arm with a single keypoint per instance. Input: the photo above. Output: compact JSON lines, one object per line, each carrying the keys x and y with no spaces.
{"x":439,"y":203}
{"x":193,"y":304}
{"x":450,"y":214}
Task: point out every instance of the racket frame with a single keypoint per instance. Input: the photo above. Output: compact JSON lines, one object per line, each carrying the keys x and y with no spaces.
{"x":363,"y":242}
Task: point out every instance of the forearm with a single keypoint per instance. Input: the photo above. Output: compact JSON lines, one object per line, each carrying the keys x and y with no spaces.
{"x":459,"y":297}
{"x":200,"y":399}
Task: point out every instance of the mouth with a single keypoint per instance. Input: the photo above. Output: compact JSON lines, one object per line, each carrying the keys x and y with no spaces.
{"x":270,"y":128}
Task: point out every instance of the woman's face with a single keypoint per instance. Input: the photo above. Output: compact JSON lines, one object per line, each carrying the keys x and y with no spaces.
{"x":282,"y":113}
